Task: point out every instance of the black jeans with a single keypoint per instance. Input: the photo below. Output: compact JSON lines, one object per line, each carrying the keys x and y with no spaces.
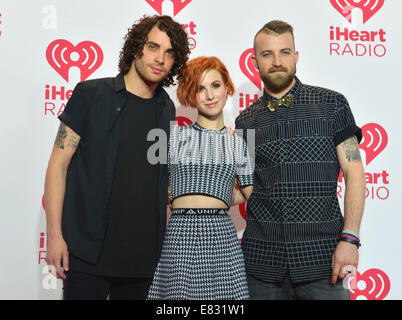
{"x":314,"y":290}
{"x":82,"y":286}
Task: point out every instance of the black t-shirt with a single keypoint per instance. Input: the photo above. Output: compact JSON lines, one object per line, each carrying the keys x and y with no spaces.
{"x":133,"y":215}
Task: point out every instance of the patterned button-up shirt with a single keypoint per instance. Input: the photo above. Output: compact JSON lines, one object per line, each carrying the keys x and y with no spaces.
{"x":293,"y":216}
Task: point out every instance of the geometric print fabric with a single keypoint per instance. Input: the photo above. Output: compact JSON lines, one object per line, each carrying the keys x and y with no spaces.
{"x":201,"y":259}
{"x":293,"y":216}
{"x":202,"y":161}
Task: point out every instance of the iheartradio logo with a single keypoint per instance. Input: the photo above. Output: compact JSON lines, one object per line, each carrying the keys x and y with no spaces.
{"x":62,"y":55}
{"x":248,"y":69}
{"x":178,"y":5}
{"x":373,"y":284}
{"x":169,"y":7}
{"x":353,"y":41}
{"x":369,"y":8}
{"x":375,"y":139}
{"x":183,"y":121}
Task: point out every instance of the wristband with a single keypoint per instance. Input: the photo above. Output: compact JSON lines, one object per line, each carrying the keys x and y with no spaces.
{"x":352,"y":233}
{"x":349,"y":236}
{"x":350,"y":241}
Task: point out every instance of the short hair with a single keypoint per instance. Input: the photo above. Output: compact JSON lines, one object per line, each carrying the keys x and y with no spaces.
{"x":137,"y":36}
{"x":275,"y":28}
{"x":190,"y":78}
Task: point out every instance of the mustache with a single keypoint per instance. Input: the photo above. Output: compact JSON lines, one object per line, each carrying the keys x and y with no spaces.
{"x":283,"y":69}
{"x":157,"y":67}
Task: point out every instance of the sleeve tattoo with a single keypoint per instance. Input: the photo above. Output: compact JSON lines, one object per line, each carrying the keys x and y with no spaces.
{"x":61,"y":141}
{"x":351,"y":148}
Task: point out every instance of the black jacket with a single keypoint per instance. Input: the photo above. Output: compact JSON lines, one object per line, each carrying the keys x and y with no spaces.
{"x":93,"y":113}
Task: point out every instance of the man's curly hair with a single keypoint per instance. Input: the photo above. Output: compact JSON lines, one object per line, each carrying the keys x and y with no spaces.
{"x":137,"y":36}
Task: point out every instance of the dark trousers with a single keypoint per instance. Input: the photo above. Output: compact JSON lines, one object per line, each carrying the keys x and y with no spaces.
{"x":82,"y":286}
{"x":314,"y":290}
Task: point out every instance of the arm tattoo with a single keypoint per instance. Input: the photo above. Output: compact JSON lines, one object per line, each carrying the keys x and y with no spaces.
{"x":73,"y":141}
{"x":61,"y":135}
{"x":351,"y":148}
{"x":64,"y":138}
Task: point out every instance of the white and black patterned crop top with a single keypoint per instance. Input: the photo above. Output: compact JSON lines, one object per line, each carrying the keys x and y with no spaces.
{"x":202,"y":161}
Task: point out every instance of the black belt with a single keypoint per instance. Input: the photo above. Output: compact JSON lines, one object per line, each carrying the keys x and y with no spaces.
{"x":196,"y":211}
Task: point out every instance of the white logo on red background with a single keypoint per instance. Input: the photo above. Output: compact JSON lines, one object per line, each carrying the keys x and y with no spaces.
{"x":373,"y":284}
{"x":62,"y":55}
{"x":375,"y":139}
{"x":368,"y":8}
{"x":178,"y":5}
{"x":248,"y":69}
{"x":357,"y":42}
{"x":183,"y":121}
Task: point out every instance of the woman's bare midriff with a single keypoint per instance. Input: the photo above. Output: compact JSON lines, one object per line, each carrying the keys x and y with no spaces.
{"x":198,"y":201}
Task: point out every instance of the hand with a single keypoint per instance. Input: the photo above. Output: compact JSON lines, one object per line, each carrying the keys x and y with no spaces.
{"x":231,"y":130}
{"x":57,"y":251}
{"x":345,"y":257}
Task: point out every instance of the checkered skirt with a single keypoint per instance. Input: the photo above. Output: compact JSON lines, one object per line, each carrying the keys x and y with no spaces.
{"x":201,"y":259}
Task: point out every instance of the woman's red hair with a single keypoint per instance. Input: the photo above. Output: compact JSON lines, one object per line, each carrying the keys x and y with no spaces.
{"x":190,"y":78}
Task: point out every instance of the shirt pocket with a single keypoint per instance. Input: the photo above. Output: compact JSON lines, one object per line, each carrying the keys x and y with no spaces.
{"x":315,"y":127}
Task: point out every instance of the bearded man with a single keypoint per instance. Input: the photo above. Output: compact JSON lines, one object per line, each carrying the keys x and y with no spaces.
{"x":297,"y":244}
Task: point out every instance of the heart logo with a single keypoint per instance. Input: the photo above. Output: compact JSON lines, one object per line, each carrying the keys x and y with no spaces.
{"x":62,"y":55}
{"x":248,"y":69}
{"x":375,"y":139}
{"x":374,"y":285}
{"x":369,"y":8}
{"x":183,"y":121}
{"x":178,"y":5}
{"x":156,"y":4}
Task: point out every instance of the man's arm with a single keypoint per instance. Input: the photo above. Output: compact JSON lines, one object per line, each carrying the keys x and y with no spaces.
{"x":65,"y":145}
{"x":240,"y":194}
{"x":352,"y":167}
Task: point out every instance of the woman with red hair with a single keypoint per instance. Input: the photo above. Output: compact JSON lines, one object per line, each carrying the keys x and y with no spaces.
{"x":201,"y":256}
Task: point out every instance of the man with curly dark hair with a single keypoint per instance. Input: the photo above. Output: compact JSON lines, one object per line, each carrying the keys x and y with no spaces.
{"x":105,"y":202}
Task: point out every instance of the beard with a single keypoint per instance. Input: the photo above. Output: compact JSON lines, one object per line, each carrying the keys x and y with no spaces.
{"x":278,"y":82}
{"x":142,"y":69}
